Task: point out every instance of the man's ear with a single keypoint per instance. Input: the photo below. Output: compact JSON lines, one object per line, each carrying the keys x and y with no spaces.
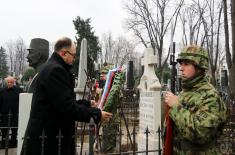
{"x":62,"y":53}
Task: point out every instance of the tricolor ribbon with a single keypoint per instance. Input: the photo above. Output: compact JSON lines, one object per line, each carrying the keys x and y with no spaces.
{"x":108,"y":85}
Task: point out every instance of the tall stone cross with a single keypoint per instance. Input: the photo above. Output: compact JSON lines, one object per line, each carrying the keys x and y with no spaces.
{"x":82,"y":77}
{"x":150,"y":103}
{"x":149,"y":80}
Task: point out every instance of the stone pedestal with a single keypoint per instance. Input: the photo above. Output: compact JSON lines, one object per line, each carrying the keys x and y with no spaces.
{"x":24,"y":112}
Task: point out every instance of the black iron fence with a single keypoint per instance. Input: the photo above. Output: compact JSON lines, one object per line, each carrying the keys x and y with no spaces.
{"x":226,"y":142}
{"x":8,"y":132}
{"x":89,"y":141}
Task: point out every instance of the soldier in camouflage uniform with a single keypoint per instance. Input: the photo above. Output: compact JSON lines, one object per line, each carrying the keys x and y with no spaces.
{"x":198,"y":112}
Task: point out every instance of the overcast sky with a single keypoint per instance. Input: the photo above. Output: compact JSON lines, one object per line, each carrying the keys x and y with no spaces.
{"x":52,"y":19}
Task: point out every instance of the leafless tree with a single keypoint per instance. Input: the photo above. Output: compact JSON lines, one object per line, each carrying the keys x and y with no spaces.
{"x":20,"y":51}
{"x":107,"y":47}
{"x":191,"y":19}
{"x":205,"y":26}
{"x":117,"y":51}
{"x":212,"y":26}
{"x":123,"y":49}
{"x":17,"y":56}
{"x":226,"y":33}
{"x":150,"y":20}
{"x":11,"y":53}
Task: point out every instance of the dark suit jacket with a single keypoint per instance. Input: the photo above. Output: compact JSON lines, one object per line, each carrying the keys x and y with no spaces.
{"x":54,"y":109}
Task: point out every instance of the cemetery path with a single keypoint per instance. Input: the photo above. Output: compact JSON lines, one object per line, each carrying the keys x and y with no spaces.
{"x":10,"y":151}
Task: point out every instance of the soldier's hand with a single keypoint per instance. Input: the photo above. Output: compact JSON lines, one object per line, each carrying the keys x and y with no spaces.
{"x":106,"y":116}
{"x":171,"y":99}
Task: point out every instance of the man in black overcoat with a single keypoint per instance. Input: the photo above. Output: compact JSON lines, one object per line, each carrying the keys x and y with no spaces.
{"x":54,"y":108}
{"x":9,"y":108}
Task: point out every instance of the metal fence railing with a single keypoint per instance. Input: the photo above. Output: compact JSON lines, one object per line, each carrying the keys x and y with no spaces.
{"x":88,"y":140}
{"x":226,"y":142}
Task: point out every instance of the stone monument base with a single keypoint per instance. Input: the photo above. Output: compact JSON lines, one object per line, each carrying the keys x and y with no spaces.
{"x":24,"y":112}
{"x":152,"y":144}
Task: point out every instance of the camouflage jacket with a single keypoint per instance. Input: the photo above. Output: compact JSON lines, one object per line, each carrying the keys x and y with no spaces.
{"x":197,"y":118}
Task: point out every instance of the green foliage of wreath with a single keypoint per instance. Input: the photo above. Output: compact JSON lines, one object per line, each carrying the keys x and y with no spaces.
{"x":115,"y":94}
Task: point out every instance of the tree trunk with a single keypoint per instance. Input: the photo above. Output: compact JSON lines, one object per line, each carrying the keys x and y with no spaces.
{"x":226,"y":34}
{"x":213,"y":77}
{"x":232,"y":82}
{"x":232,"y":69}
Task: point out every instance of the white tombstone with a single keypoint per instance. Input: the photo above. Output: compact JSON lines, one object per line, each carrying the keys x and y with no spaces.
{"x":79,"y":90}
{"x":24,"y":112}
{"x":150,"y":103}
{"x":81,"y":82}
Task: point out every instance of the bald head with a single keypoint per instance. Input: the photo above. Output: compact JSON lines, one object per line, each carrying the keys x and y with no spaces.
{"x":10,"y":81}
{"x":63,"y":42}
{"x":66,"y":50}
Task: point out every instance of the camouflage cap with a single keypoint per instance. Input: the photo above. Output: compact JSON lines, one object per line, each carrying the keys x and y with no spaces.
{"x":196,"y":54}
{"x":106,"y":68}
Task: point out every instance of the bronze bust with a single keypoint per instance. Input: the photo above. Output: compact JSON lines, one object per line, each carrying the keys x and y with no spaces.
{"x":37,"y":56}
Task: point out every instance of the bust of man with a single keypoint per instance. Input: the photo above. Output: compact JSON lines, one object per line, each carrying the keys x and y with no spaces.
{"x":37,"y":56}
{"x":38,"y":53}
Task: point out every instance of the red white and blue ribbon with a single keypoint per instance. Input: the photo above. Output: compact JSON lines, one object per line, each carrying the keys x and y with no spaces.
{"x":108,"y":85}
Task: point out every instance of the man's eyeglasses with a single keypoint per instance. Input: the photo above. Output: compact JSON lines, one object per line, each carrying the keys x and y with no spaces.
{"x":72,"y":54}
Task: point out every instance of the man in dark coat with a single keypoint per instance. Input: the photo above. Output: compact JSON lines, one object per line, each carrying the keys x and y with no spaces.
{"x":9,"y":108}
{"x":54,"y":108}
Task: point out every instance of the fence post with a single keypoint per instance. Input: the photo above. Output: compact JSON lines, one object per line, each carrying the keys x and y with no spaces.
{"x":134,"y":132}
{"x":42,"y":137}
{"x":91,"y":136}
{"x":159,"y":141}
{"x":147,"y":139}
{"x":120,"y":139}
{"x":59,"y":137}
{"x":8,"y":133}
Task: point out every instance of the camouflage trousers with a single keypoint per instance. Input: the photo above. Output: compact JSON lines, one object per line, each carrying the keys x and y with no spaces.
{"x":209,"y":151}
{"x":194,"y":150}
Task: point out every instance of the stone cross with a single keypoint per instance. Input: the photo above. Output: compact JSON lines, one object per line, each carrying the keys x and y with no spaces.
{"x":79,"y":90}
{"x":149,"y":61}
{"x":150,"y":103}
{"x":149,"y":80}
